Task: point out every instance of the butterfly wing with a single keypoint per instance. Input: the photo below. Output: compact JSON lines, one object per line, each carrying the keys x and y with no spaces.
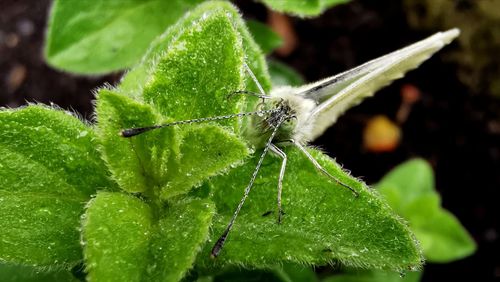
{"x":336,"y":94}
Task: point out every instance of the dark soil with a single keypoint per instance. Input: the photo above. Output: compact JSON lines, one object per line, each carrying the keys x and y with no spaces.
{"x":458,"y":132}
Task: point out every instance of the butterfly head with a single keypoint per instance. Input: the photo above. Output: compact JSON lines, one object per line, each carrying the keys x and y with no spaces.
{"x":289,"y":115}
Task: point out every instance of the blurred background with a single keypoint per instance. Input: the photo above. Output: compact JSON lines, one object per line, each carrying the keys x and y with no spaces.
{"x":447,"y":111}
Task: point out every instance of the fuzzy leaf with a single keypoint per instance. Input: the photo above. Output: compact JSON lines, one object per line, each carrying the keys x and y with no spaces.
{"x":267,"y":39}
{"x":189,"y":73}
{"x":253,"y":57}
{"x":133,"y":82}
{"x":18,"y":273}
{"x":128,"y":240}
{"x":409,"y":189}
{"x":179,"y":235}
{"x":243,"y":275}
{"x":323,"y":221}
{"x":172,"y":159}
{"x":48,"y":169}
{"x":92,"y":37}
{"x":302,"y":8}
{"x":203,"y":61}
{"x":283,"y":75}
{"x":117,"y":229}
{"x":295,"y":273}
{"x":43,"y":138}
{"x":138,"y":163}
{"x":282,"y":273}
{"x":204,"y":152}
{"x":375,"y":276}
{"x":40,"y":229}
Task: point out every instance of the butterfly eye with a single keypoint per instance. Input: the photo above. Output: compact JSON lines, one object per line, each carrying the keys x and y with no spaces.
{"x":290,"y":118}
{"x":260,"y":109}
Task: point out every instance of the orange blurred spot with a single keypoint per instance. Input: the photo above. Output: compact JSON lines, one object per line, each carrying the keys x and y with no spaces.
{"x":282,"y":25}
{"x":381,"y":135}
{"x":410,"y":93}
{"x":15,"y":77}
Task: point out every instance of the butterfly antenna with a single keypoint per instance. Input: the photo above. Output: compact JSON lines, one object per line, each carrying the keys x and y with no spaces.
{"x":222,"y":239}
{"x":323,"y":170}
{"x":130,"y":132}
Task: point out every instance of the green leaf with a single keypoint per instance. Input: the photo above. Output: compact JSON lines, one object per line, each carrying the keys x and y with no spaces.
{"x":295,"y":273}
{"x":302,"y":8}
{"x":133,"y":82}
{"x":407,"y":183}
{"x":375,"y":276}
{"x":128,"y":240}
{"x":200,"y":65}
{"x":409,"y":189}
{"x":91,"y":37}
{"x":282,"y":273}
{"x":283,"y":75}
{"x":18,"y":273}
{"x":441,"y":235}
{"x":242,"y":275}
{"x":54,"y":141}
{"x":49,"y":167}
{"x":117,"y":229}
{"x":253,"y":57}
{"x":267,"y":39}
{"x":203,"y":61}
{"x":139,"y":163}
{"x":169,"y":160}
{"x":205,"y":151}
{"x":178,"y":238}
{"x":323,"y":221}
{"x":40,"y":229}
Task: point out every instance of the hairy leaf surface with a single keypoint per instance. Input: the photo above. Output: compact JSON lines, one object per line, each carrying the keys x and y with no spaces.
{"x":127,"y":239}
{"x":302,"y":8}
{"x":323,"y":221}
{"x":49,"y":167}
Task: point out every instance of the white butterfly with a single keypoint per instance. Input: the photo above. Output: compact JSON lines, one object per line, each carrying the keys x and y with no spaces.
{"x":319,"y":104}
{"x":300,"y":114}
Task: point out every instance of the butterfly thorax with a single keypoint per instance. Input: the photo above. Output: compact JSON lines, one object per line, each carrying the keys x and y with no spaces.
{"x":301,"y":108}
{"x":290,"y":116}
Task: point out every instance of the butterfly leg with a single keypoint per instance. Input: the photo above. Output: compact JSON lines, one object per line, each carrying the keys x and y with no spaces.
{"x":281,"y":154}
{"x":254,"y":78}
{"x":246,"y":92}
{"x":262,"y":95}
{"x":320,"y":168}
{"x":222,"y":239}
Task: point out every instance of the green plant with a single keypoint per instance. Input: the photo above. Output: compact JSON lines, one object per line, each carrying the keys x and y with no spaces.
{"x":302,"y":8}
{"x":151,"y":207}
{"x":409,"y":189}
{"x":102,"y":36}
{"x":94,"y":37}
